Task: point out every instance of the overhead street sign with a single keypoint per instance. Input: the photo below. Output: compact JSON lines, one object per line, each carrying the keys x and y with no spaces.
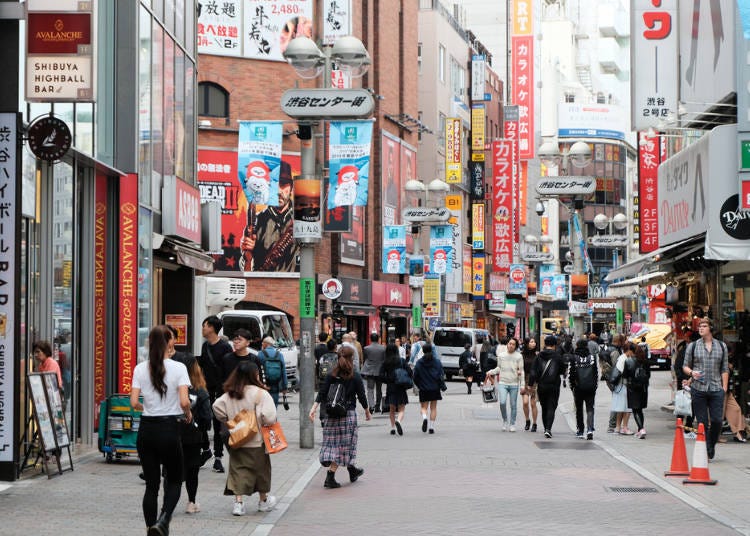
{"x":608,"y":241}
{"x":566,"y":186}
{"x":537,"y":256}
{"x":327,"y":103}
{"x":427,"y":215}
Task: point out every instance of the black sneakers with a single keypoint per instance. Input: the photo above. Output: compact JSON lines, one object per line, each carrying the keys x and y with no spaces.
{"x":424,"y":425}
{"x":218,"y":467}
{"x":548,"y":434}
{"x":205,"y":456}
{"x":533,"y":427}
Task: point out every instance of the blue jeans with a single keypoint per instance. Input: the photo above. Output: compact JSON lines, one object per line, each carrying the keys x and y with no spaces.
{"x":709,"y":405}
{"x":503,"y":392}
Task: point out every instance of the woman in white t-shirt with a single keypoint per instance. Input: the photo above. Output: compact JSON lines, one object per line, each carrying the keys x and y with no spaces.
{"x":163,"y":384}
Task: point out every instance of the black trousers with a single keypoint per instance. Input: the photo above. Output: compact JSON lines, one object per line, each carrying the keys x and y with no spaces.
{"x":581,"y":398}
{"x":548,"y":397}
{"x":216,"y":427}
{"x":708,"y":408}
{"x":159,"y":444}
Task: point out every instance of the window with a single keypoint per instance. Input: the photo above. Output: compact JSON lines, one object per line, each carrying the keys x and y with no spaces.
{"x":570,"y":97}
{"x":458,"y":80}
{"x":213,"y":100}
{"x":419,"y":58}
{"x":441,"y":63}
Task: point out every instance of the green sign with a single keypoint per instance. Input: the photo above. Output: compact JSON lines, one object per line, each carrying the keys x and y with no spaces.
{"x":744,"y":154}
{"x":416,"y":316}
{"x":532,"y":324}
{"x":307,"y":298}
{"x":620,"y":319}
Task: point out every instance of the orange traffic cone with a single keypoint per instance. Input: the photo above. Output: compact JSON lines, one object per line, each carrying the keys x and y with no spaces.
{"x":679,"y":465}
{"x":699,"y":473}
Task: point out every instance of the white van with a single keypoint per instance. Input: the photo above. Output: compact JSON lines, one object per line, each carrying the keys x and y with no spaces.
{"x":263,"y":324}
{"x":450,"y":344}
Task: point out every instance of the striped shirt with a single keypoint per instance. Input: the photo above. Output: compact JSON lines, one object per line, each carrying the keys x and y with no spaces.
{"x":713,"y":364}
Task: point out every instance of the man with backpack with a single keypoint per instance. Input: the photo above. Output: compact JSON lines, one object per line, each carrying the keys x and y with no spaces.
{"x":212,"y":353}
{"x":584,"y":378}
{"x":274,"y":369}
{"x":327,"y":361}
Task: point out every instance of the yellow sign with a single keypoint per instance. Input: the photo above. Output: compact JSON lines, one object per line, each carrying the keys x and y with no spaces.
{"x":431,"y":296}
{"x":453,"y":141}
{"x":453,"y":202}
{"x":477,"y":225}
{"x":477,"y":127}
{"x":522,"y":17}
{"x":477,"y":157}
{"x":467,"y":310}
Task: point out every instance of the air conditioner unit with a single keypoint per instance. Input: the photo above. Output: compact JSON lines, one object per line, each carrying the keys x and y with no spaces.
{"x":224,"y":290}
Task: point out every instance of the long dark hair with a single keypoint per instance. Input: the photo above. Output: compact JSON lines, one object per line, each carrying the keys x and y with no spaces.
{"x":529,"y":352}
{"x":344,"y":368}
{"x":392,"y":358}
{"x":640,"y":354}
{"x":244,"y":374}
{"x":427,"y":351}
{"x":158,"y":342}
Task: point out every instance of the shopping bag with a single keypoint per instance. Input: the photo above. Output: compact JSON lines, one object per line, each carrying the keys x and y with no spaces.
{"x":489,"y":393}
{"x":242,"y":428}
{"x":273,"y":437}
{"x":683,"y":403}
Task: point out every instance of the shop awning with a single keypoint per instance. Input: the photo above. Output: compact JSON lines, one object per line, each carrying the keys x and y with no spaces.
{"x":668,"y":253}
{"x":184,"y":255}
{"x":640,"y":280}
{"x":358,"y":310}
{"x":400,"y":312}
{"x":626,"y":270}
{"x":624,"y":291}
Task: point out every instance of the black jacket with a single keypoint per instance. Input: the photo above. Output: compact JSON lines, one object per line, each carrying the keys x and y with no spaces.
{"x":231,"y":360}
{"x":211,"y":362}
{"x":355,"y":389}
{"x":555,"y":370}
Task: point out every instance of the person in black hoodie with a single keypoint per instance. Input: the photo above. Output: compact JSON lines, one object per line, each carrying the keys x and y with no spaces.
{"x":546,"y":371}
{"x":468,"y":365}
{"x":584,"y":378}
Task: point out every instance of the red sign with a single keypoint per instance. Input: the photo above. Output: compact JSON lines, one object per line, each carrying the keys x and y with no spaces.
{"x":128,"y":282}
{"x":502,"y":205}
{"x":522,"y":94}
{"x":648,"y":218}
{"x":100,"y":290}
{"x":518,"y":275}
{"x":510,"y":132}
{"x":188,"y":211}
{"x":57,"y":33}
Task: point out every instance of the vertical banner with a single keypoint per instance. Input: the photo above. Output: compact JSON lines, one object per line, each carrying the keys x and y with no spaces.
{"x":477,"y":127}
{"x":453,"y":137}
{"x":510,"y":133}
{"x":454,"y":280}
{"x":127,"y":282}
{"x":560,"y":286}
{"x":441,"y":249}
{"x":476,"y":169}
{"x":517,"y":284}
{"x":523,"y":184}
{"x":10,"y":170}
{"x":100,"y":291}
{"x":337,"y":20}
{"x":654,"y":60}
{"x":478,"y":76}
{"x":502,"y":206}
{"x":349,"y":162}
{"x":394,"y":249}
{"x":307,"y":222}
{"x":352,"y":248}
{"x":477,"y":276}
{"x":648,"y":196}
{"x":390,"y":182}
{"x":742,"y":68}
{"x":259,"y":161}
{"x":431,"y":295}
{"x":477,"y":225}
{"x":467,"y":275}
{"x":522,"y":74}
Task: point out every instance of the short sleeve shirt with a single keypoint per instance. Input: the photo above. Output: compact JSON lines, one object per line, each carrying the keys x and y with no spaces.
{"x":153,"y":404}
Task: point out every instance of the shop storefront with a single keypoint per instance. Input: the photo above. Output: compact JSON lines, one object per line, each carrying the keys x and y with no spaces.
{"x":393,"y":301}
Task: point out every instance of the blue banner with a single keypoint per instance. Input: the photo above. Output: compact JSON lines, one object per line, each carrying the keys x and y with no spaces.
{"x":394,"y":249}
{"x":259,"y":161}
{"x":560,"y":286}
{"x":441,"y":249}
{"x":349,"y":163}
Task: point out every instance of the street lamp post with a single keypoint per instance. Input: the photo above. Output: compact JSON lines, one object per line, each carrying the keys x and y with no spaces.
{"x":570,"y":191}
{"x":309,"y":61}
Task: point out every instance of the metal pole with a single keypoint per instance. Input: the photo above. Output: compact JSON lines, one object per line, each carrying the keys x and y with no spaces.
{"x":306,"y":371}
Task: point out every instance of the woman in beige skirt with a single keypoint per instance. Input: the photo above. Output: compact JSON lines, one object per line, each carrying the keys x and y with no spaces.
{"x":249,"y":464}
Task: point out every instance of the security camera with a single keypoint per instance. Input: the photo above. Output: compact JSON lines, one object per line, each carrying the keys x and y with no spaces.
{"x":539,"y":208}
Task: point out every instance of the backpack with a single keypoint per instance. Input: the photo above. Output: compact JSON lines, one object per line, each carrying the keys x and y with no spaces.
{"x":402,"y":378}
{"x":586,"y":375}
{"x":200,"y":406}
{"x":273,"y":368}
{"x":326,"y":364}
{"x":336,"y":400}
{"x":640,"y":377}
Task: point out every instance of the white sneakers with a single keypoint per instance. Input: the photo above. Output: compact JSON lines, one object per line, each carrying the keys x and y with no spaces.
{"x":512,"y":427}
{"x":239,"y":509}
{"x":192,"y":508}
{"x":505,"y":426}
{"x":267,"y":505}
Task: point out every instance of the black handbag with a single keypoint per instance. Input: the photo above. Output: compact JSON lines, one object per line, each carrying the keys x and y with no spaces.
{"x":615,"y":376}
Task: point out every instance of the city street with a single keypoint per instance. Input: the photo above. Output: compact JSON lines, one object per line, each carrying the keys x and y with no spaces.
{"x":468,"y":478}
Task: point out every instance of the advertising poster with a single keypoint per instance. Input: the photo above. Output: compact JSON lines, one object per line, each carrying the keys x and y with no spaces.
{"x":394,"y":249}
{"x":349,"y":161}
{"x":453,"y":143}
{"x":180,"y":323}
{"x":337,"y":20}
{"x":220,"y":27}
{"x":431,"y":295}
{"x":390,"y":183}
{"x":560,"y":286}
{"x":352,"y":243}
{"x":269,"y":25}
{"x":274,"y":248}
{"x":416,"y":271}
{"x":259,"y":161}
{"x":441,"y":249}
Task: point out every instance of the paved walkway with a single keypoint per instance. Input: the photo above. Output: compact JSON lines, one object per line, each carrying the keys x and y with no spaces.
{"x":468,"y":478}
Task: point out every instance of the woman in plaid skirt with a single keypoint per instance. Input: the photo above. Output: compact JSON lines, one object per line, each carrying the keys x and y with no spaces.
{"x":340,"y":433}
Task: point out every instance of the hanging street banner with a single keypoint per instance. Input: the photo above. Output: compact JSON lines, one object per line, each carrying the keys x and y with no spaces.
{"x":60,"y":51}
{"x":259,"y":161}
{"x":517,"y":283}
{"x":349,"y":162}
{"x":441,"y":249}
{"x":453,"y":144}
{"x":394,"y":249}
